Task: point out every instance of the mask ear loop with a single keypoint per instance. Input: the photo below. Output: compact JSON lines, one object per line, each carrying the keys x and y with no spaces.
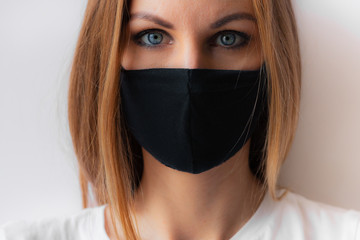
{"x":257,"y":151}
{"x":235,"y":166}
{"x":251,"y":116}
{"x":237,"y":79}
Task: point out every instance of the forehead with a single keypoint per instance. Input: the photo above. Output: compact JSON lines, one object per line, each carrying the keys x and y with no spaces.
{"x":194,"y":12}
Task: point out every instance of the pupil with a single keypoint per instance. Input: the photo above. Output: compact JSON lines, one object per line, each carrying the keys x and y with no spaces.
{"x":228,"y":39}
{"x":154,"y":38}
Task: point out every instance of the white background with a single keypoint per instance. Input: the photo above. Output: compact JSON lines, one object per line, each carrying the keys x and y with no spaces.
{"x":38,"y":170}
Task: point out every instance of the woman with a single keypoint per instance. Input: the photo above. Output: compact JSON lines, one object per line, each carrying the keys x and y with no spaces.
{"x":181,"y":114}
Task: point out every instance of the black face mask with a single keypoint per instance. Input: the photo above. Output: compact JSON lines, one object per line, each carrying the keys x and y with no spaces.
{"x":192,"y":119}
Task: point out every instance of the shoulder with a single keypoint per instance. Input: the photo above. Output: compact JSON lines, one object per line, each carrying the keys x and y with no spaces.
{"x":315,"y":220}
{"x":82,"y":225}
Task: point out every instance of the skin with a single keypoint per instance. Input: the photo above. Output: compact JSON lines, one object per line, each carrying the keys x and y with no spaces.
{"x":215,"y":204}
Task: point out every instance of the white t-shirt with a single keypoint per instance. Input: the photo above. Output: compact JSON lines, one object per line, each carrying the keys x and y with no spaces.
{"x":292,"y":218}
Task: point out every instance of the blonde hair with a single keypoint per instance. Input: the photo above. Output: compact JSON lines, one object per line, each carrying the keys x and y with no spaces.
{"x":108,"y":158}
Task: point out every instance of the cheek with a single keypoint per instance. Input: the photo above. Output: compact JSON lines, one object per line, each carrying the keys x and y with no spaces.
{"x":256,"y":52}
{"x":136,"y":58}
{"x":253,"y":58}
{"x":128,"y":60}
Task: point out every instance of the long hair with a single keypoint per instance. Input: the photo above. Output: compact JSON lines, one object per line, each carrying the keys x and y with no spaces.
{"x":110,"y":160}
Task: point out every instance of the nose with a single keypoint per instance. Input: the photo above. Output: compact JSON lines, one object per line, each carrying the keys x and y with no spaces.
{"x":190,"y":54}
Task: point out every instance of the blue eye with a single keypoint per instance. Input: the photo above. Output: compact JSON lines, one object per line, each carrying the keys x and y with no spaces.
{"x":228,"y":39}
{"x":152,"y":38}
{"x":231,"y":39}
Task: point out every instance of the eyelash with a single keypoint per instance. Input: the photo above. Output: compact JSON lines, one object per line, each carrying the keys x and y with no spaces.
{"x":136,"y":38}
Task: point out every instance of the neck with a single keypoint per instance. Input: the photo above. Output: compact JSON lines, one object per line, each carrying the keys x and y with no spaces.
{"x":215,"y":204}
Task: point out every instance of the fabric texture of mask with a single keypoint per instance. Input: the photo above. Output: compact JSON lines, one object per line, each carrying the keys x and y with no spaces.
{"x":192,"y":119}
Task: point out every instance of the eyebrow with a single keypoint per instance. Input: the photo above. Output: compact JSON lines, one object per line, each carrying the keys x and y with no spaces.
{"x":153,"y":18}
{"x":232,"y":17}
{"x":221,"y":22}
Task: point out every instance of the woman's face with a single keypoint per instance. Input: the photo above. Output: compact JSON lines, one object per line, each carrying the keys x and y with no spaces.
{"x":217,"y":34}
